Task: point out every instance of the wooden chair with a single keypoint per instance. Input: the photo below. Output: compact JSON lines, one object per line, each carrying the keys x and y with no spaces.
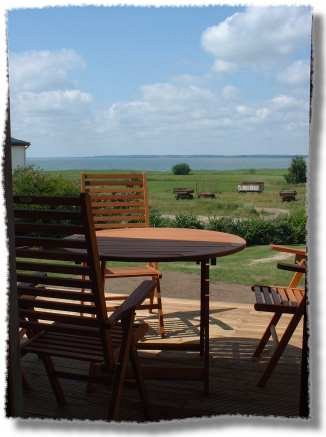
{"x":49,"y":304}
{"x":120,"y":200}
{"x":279,"y":300}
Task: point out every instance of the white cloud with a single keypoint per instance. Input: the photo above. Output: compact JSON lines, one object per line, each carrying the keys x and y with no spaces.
{"x":221,"y":66}
{"x":230,"y":92}
{"x":43,"y":70}
{"x":258,"y":36}
{"x":46,"y":106}
{"x":284,"y":101}
{"x":296,"y":73}
{"x":51,"y":101}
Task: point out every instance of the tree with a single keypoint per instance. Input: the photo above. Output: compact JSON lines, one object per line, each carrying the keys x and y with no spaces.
{"x":181,"y":168}
{"x":297,"y":172}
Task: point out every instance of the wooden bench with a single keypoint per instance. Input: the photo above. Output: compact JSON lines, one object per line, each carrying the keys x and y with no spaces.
{"x":183,"y":193}
{"x":251,"y":187}
{"x":288,"y":196}
{"x":206,"y":195}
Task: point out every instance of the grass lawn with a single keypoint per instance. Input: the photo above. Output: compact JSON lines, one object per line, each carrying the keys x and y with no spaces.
{"x":254,"y":264}
{"x":228,"y":201}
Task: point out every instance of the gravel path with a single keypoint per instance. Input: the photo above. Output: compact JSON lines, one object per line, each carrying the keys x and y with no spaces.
{"x":186,"y":286}
{"x":272,"y":213}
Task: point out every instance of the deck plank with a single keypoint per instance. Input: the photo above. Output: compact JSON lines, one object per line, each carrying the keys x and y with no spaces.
{"x":234,"y":330}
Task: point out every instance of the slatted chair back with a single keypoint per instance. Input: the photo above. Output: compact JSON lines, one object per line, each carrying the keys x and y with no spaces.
{"x":52,"y":270}
{"x":118,"y":200}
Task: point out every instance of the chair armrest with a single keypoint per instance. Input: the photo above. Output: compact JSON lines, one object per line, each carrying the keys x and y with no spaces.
{"x":292,"y":267}
{"x":133,"y":301}
{"x":295,"y":251}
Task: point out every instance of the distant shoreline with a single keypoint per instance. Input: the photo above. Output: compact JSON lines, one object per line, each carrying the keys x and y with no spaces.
{"x":163,"y":162}
{"x":165,"y":156}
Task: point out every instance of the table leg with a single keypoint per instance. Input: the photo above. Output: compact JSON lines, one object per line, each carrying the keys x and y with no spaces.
{"x":204,"y":321}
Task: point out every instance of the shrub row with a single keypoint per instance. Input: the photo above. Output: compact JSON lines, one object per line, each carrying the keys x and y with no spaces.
{"x":282,"y":230}
{"x":32,"y":181}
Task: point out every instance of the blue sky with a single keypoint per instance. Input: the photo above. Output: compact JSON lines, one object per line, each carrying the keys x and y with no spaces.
{"x":101,"y":80}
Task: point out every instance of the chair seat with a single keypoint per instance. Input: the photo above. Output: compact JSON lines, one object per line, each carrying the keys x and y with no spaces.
{"x":275,"y":298}
{"x":130,"y":272}
{"x":79,"y":347}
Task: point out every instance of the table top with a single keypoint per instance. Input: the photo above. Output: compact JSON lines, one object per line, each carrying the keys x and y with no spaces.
{"x":165,"y":244}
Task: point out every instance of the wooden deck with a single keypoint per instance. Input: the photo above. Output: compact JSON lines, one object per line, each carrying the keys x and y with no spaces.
{"x":234,"y":330}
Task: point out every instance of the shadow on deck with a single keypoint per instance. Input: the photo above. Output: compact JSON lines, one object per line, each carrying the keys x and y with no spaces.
{"x":234,"y":329}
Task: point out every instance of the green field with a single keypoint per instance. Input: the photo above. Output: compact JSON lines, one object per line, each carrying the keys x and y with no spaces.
{"x":228,"y":201}
{"x":255,"y":264}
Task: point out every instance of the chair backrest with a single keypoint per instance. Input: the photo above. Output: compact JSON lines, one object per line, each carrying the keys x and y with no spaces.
{"x":300,"y":259}
{"x":118,"y":200}
{"x":59,"y":283}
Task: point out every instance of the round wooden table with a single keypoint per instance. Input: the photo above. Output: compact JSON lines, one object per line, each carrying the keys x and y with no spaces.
{"x":170,"y":245}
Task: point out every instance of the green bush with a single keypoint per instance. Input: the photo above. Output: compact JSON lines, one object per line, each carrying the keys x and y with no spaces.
{"x":282,"y":230}
{"x":34,"y":181}
{"x":297,"y":172}
{"x":158,"y":221}
{"x":188,"y":221}
{"x":181,"y":169}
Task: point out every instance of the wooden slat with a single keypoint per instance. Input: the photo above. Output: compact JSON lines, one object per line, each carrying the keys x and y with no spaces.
{"x":63,"y":337}
{"x":51,"y":228}
{"x":104,"y":183}
{"x":67,"y":319}
{"x":267,"y":295}
{"x":117,"y":219}
{"x":52,"y":268}
{"x":114,"y":191}
{"x":47,"y":200}
{"x":107,"y":204}
{"x":47,"y":214}
{"x":29,"y":302}
{"x":115,"y":197}
{"x":86,"y":331}
{"x":118,"y":225}
{"x":55,"y":293}
{"x":117,"y":211}
{"x":112,"y":175}
{"x":276,"y":297}
{"x":64,"y":353}
{"x":299,"y":293}
{"x":60,"y":255}
{"x":72,"y":345}
{"x":47,"y":242}
{"x":63,"y":282}
{"x":283,"y":296}
{"x":259,"y":295}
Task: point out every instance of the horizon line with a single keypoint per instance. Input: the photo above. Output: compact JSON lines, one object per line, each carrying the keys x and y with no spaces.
{"x":172,"y":156}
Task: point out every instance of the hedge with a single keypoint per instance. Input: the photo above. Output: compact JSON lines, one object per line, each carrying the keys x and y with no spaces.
{"x":285,"y":229}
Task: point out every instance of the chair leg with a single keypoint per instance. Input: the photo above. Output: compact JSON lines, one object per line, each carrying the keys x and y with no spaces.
{"x":56,"y":387}
{"x":91,"y":373}
{"x":262,"y":343}
{"x":119,"y":377}
{"x":280,"y":349}
{"x":26,"y":384}
{"x":139,"y":381}
{"x":151,"y":302}
{"x":160,"y":310}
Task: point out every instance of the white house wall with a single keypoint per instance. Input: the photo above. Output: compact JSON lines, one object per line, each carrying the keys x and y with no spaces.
{"x":18,"y":156}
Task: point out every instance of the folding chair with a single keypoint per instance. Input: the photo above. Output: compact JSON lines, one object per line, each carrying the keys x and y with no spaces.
{"x":280,"y":300}
{"x":120,"y":200}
